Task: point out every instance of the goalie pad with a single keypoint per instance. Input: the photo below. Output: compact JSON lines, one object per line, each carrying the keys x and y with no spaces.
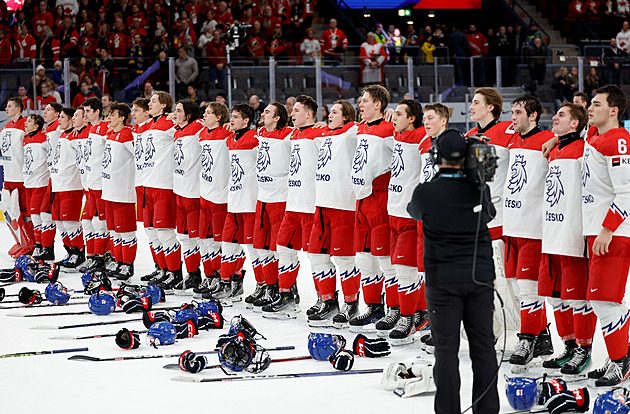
{"x":409,"y":377}
{"x":22,"y":233}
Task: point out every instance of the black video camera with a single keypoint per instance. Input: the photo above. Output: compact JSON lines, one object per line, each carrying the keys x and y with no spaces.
{"x":237,"y":35}
{"x":481,"y":159}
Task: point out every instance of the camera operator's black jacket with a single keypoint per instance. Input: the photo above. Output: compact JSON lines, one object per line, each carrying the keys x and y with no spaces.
{"x":445,"y":206}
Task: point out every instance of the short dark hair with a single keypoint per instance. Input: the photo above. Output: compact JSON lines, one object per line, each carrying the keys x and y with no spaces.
{"x":16,"y":101}
{"x":615,"y":97}
{"x":582,"y":96}
{"x":190,"y":109}
{"x":123,"y":110}
{"x":577,"y":112}
{"x":246,"y":111}
{"x":440,"y":109}
{"x":94,"y":103}
{"x":220,"y":110}
{"x":378,"y":94}
{"x":69,"y":111}
{"x":531,"y":105}
{"x":413,"y":109}
{"x":142,"y":103}
{"x":57,"y":107}
{"x":281,"y":111}
{"x":39,"y":121}
{"x":308,"y":102}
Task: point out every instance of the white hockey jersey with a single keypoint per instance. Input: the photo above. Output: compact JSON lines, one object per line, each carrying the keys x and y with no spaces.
{"x":406,"y":171}
{"x":373,"y":156}
{"x":93,"y":155}
{"x":35,"y":171}
{"x":187,"y":155}
{"x":64,"y":173}
{"x":158,"y":154}
{"x":272,"y":165}
{"x":606,"y":183}
{"x":243,"y":188}
{"x":140,"y":132}
{"x":333,"y":189}
{"x":215,"y":165}
{"x":81,"y":142}
{"x":53,"y":132}
{"x":428,"y":169}
{"x":12,"y":150}
{"x":119,"y":167}
{"x":302,"y":167}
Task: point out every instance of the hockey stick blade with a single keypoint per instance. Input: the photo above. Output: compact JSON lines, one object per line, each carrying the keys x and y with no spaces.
{"x":81,"y":325}
{"x":33,"y":315}
{"x":133,"y":357}
{"x":295,"y":358}
{"x":54,"y":351}
{"x":191,"y":378}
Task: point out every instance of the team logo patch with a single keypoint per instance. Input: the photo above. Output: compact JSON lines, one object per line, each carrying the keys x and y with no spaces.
{"x":138,"y":148}
{"x":149,"y":149}
{"x":518,"y":177}
{"x":553,"y":186}
{"x":28,"y":158}
{"x":79,"y":154}
{"x":325,"y":153}
{"x":179,"y":153}
{"x":236,"y":169}
{"x":398,"y":164}
{"x":428,"y":171}
{"x":586,"y":172}
{"x":6,"y":142}
{"x":296,"y":161}
{"x":264,"y":159}
{"x":57,"y":153}
{"x":360,"y":156}
{"x":87,"y":149}
{"x":206,"y":159}
{"x":107,"y":156}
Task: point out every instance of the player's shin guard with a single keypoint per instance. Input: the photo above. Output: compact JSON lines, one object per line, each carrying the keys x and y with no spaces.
{"x":349,"y":276}
{"x":256,"y":265}
{"x":422,"y":299}
{"x":63,"y":233}
{"x":269,"y":265}
{"x":533,"y":319}
{"x":371,"y":277}
{"x":116,"y":246}
{"x":129,"y":247}
{"x":156,"y":245}
{"x":613,"y":318}
{"x":390,"y":282}
{"x":102,"y":236}
{"x":232,"y":259}
{"x":89,"y":235}
{"x":171,"y":249}
{"x":408,"y":288}
{"x":288,"y":268}
{"x":210,"y":256}
{"x":190,"y":249}
{"x":37,"y":228}
{"x":48,"y":230}
{"x":325,"y":275}
{"x":75,"y":233}
{"x":584,"y":321}
{"x":563,"y":314}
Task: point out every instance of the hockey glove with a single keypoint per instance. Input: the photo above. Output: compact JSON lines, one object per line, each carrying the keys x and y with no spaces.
{"x":191,"y":362}
{"x":132,"y":305}
{"x":127,"y":339}
{"x":210,"y":321}
{"x":149,"y":318}
{"x":576,"y":401}
{"x":551,"y":388}
{"x":186,"y":329}
{"x":10,"y":275}
{"x":371,"y":348}
{"x":342,"y":360}
{"x":29,"y":297}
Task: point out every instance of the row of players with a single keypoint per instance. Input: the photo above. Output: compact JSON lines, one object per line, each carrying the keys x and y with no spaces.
{"x":341,"y":193}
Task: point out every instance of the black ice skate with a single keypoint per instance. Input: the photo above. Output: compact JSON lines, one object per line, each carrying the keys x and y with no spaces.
{"x":388,"y":322}
{"x":323,"y":318}
{"x":580,"y":361}
{"x":404,"y":331}
{"x":364,"y":322}
{"x":285,"y":306}
{"x":618,"y":371}
{"x":348,"y":311}
{"x":566,"y":355}
{"x":259,"y":292}
{"x":272,"y":294}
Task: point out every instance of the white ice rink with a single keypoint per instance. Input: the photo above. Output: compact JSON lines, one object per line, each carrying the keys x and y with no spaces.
{"x":52,"y":384}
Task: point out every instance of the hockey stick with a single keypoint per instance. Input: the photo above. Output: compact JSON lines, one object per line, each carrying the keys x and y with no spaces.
{"x":72,"y":299}
{"x":54,"y":351}
{"x":295,"y":358}
{"x":82,"y":325}
{"x":42,"y":305}
{"x":33,"y":315}
{"x":133,"y":357}
{"x":72,"y":337}
{"x":191,"y":378}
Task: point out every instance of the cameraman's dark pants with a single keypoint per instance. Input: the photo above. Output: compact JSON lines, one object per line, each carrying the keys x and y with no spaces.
{"x":448,"y":305}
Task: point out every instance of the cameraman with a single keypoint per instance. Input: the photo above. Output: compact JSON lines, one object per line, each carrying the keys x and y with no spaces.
{"x":449,"y":208}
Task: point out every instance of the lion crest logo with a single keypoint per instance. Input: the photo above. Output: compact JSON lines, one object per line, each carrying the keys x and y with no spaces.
{"x":553,"y":186}
{"x":237,"y":171}
{"x":264,"y":159}
{"x":149,"y":148}
{"x":296,"y":161}
{"x":325,"y":153}
{"x":179,"y":152}
{"x":398,"y":164}
{"x":518,"y":175}
{"x":360,"y":156}
{"x":107,"y":156}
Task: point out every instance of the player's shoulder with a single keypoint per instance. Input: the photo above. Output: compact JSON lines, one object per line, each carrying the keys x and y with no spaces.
{"x":613,"y":142}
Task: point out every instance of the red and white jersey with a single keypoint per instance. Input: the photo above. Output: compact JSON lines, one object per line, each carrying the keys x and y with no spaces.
{"x":406,"y":167}
{"x":64,"y":173}
{"x":158,"y":154}
{"x":334,"y":164}
{"x":12,"y":151}
{"x":373,"y":155}
{"x":82,"y":149}
{"x":302,"y":167}
{"x":606,"y":183}
{"x":215,"y":165}
{"x":187,"y":155}
{"x":243,"y":188}
{"x":93,"y":154}
{"x":53,"y":132}
{"x":562,"y":207}
{"x":35,"y":171}
{"x":272,"y":165}
{"x":428,"y":168}
{"x":140,"y":133}
{"x":525,"y":185}
{"x":500,"y":134}
{"x":119,"y":167}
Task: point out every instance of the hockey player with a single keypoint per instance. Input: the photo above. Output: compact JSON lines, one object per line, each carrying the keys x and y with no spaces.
{"x":370,"y":176}
{"x":48,"y":227}
{"x":213,"y":189}
{"x":406,"y":167}
{"x":563,"y":276}
{"x":119,"y":192}
{"x":522,"y":224}
{"x":186,"y":185}
{"x":332,"y":233}
{"x":36,"y":174}
{"x":272,"y":167}
{"x":93,"y":217}
{"x":242,"y":190}
{"x":159,"y":199}
{"x":68,"y":190}
{"x":605,"y":189}
{"x":12,"y":153}
{"x":295,"y":229}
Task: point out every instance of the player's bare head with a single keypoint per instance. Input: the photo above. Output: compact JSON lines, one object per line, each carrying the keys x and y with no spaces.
{"x":220,"y":110}
{"x":37,"y":120}
{"x":440,"y":110}
{"x":412,"y":109}
{"x":278,"y":110}
{"x":68,"y":111}
{"x":165,"y":101}
{"x":122,"y":110}
{"x":191,"y":109}
{"x":580,"y":98}
{"x":435,"y":118}
{"x":491,"y":97}
{"x":615,"y":98}
{"x":308,"y":103}
{"x":376,"y":94}
{"x":94,"y":104}
{"x":16,"y":103}
{"x":570,"y":118}
{"x":577,"y":112}
{"x":245,"y":111}
{"x":56,"y":107}
{"x":65,"y":118}
{"x":347,"y":111}
{"x":142,"y":103}
{"x":531,"y":105}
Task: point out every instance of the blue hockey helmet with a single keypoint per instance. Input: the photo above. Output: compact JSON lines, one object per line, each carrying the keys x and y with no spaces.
{"x":237,"y":353}
{"x":57,"y":293}
{"x":161,"y":333}
{"x":608,"y":404}
{"x":102,"y":303}
{"x":522,"y":393}
{"x":322,"y":345}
